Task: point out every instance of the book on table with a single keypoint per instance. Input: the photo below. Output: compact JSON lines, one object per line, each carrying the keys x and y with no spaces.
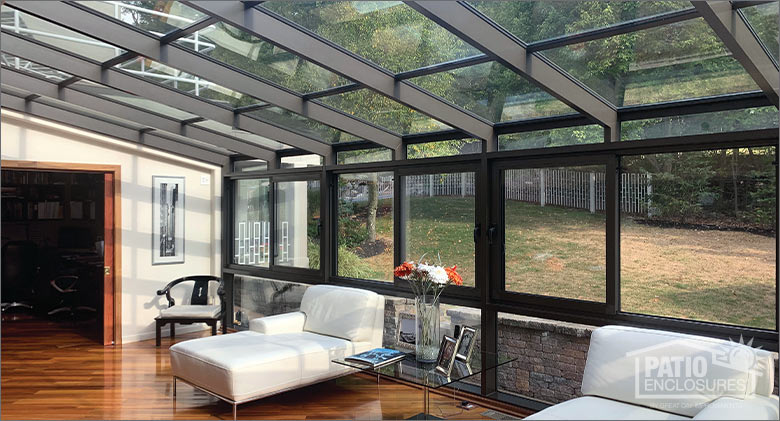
{"x":377,"y":357}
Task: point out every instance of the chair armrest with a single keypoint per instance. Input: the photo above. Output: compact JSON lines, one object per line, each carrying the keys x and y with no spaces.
{"x":752,"y":408}
{"x":280,"y":323}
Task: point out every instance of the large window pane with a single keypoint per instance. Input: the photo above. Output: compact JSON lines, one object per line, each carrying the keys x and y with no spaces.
{"x":364,"y":155}
{"x":676,"y":61}
{"x":388,"y":33}
{"x":565,"y":136}
{"x":298,"y":224}
{"x":244,"y":51}
{"x":700,"y":244}
{"x":383,"y":112}
{"x":365,"y":226}
{"x":252,"y":222}
{"x":555,"y":232}
{"x":693,"y":124}
{"x":439,"y":220}
{"x":56,"y":36}
{"x":443,"y":148}
{"x":157,"y":17}
{"x":493,"y":92}
{"x":301,"y":124}
{"x":764,"y":20}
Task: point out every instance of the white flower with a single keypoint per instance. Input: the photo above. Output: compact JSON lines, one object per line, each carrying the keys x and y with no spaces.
{"x":439,"y":275}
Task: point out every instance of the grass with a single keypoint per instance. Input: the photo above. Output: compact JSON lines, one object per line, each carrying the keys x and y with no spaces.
{"x":721,"y":276}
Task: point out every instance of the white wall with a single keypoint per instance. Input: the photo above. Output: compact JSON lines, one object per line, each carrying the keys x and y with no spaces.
{"x":23,"y":137}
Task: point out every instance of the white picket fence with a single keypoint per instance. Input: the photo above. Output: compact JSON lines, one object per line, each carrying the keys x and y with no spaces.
{"x":543,"y":186}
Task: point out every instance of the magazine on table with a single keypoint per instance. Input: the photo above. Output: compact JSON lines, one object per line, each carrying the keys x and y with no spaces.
{"x":377,"y":357}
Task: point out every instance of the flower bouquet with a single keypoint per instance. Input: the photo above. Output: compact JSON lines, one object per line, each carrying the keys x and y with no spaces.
{"x":427,"y":282}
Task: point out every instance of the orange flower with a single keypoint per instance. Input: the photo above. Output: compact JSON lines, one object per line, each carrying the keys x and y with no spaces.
{"x":453,"y":275}
{"x":403,"y":270}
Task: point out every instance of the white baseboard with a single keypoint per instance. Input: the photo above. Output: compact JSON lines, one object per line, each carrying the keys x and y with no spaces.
{"x":166,"y":331}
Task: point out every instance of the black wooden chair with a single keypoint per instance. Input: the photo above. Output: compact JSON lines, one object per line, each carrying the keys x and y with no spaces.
{"x":199,"y":309}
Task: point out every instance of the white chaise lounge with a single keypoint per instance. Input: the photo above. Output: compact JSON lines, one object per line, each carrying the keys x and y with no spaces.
{"x":285,"y":351}
{"x":633,"y":374}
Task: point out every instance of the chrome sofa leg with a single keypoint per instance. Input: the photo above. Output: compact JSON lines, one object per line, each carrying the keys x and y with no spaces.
{"x":234,"y":411}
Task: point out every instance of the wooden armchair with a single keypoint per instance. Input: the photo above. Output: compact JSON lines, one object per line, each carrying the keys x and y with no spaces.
{"x":199,"y":310}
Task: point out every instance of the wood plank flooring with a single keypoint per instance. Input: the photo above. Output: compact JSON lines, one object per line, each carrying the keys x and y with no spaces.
{"x":51,"y":371}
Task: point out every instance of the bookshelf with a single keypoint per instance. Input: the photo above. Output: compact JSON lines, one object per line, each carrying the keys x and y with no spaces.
{"x":48,"y":196}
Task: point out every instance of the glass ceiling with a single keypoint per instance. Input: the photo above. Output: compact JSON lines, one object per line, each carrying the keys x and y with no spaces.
{"x":538,"y":20}
{"x":38,"y":29}
{"x":671,"y":62}
{"x":162,"y":18}
{"x":494,"y":92}
{"x":682,"y":60}
{"x":389,"y":33}
{"x":763,"y":18}
{"x":384,"y":112}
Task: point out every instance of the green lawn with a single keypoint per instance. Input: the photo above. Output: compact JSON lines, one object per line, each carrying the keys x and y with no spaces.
{"x":722,"y":276}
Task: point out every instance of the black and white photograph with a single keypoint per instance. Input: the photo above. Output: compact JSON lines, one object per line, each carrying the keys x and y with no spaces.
{"x":466,"y":344}
{"x":446,"y":355}
{"x":167,"y":220}
{"x":406,"y":331}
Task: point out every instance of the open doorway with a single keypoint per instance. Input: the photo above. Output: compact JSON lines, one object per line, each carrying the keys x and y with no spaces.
{"x":60,"y":247}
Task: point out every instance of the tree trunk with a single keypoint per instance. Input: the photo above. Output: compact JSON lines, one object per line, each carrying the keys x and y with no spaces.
{"x":373,"y":204}
{"x":734,"y":180}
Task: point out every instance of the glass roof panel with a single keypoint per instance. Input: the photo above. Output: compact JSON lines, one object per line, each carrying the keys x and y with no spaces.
{"x":389,"y":33}
{"x":48,"y":33}
{"x":241,"y":134}
{"x":157,"y":17}
{"x":672,"y":62}
{"x":130,"y":99}
{"x":32,"y":68}
{"x":764,"y":20}
{"x":494,"y":92}
{"x":383,"y":112}
{"x":538,"y":20}
{"x":185,"y":82}
{"x":300,"y":124}
{"x":240,"y":49}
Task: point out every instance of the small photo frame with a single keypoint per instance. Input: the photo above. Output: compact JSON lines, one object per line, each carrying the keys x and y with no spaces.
{"x":466,"y":343}
{"x":446,"y":359}
{"x":407,"y":326}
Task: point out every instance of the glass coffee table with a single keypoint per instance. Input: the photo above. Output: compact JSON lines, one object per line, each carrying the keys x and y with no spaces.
{"x":427,"y":377}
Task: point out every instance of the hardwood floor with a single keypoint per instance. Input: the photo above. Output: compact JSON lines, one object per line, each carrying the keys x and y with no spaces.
{"x":52,"y":371}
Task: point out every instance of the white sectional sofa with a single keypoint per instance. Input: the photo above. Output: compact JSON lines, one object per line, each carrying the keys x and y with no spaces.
{"x":285,"y":351}
{"x":641,"y":374}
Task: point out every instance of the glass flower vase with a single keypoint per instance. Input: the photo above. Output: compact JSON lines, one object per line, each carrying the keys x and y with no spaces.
{"x":427,"y":333}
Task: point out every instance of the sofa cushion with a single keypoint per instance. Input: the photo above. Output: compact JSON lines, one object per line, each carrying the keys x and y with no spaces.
{"x":595,"y":408}
{"x":649,"y":368}
{"x":191,"y":311}
{"x":341,"y":312}
{"x":752,"y":408}
{"x":246,"y":365}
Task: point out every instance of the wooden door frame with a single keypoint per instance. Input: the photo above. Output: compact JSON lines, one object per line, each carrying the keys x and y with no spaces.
{"x":115,"y":170}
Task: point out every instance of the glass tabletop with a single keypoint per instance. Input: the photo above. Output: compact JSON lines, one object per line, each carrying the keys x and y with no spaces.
{"x":426,"y":374}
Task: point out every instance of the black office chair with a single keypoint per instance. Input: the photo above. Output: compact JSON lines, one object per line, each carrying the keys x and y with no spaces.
{"x":19,"y":272}
{"x":68,"y":293}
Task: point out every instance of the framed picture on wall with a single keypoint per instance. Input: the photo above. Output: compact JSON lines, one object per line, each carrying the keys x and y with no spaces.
{"x":167,"y":220}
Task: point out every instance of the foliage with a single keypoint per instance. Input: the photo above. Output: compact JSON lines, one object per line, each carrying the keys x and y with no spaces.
{"x":352,"y":266}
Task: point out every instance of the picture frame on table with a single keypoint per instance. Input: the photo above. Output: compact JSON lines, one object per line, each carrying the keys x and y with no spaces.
{"x":446,"y":358}
{"x":167,"y":220}
{"x":466,"y":342}
{"x":406,"y":332}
